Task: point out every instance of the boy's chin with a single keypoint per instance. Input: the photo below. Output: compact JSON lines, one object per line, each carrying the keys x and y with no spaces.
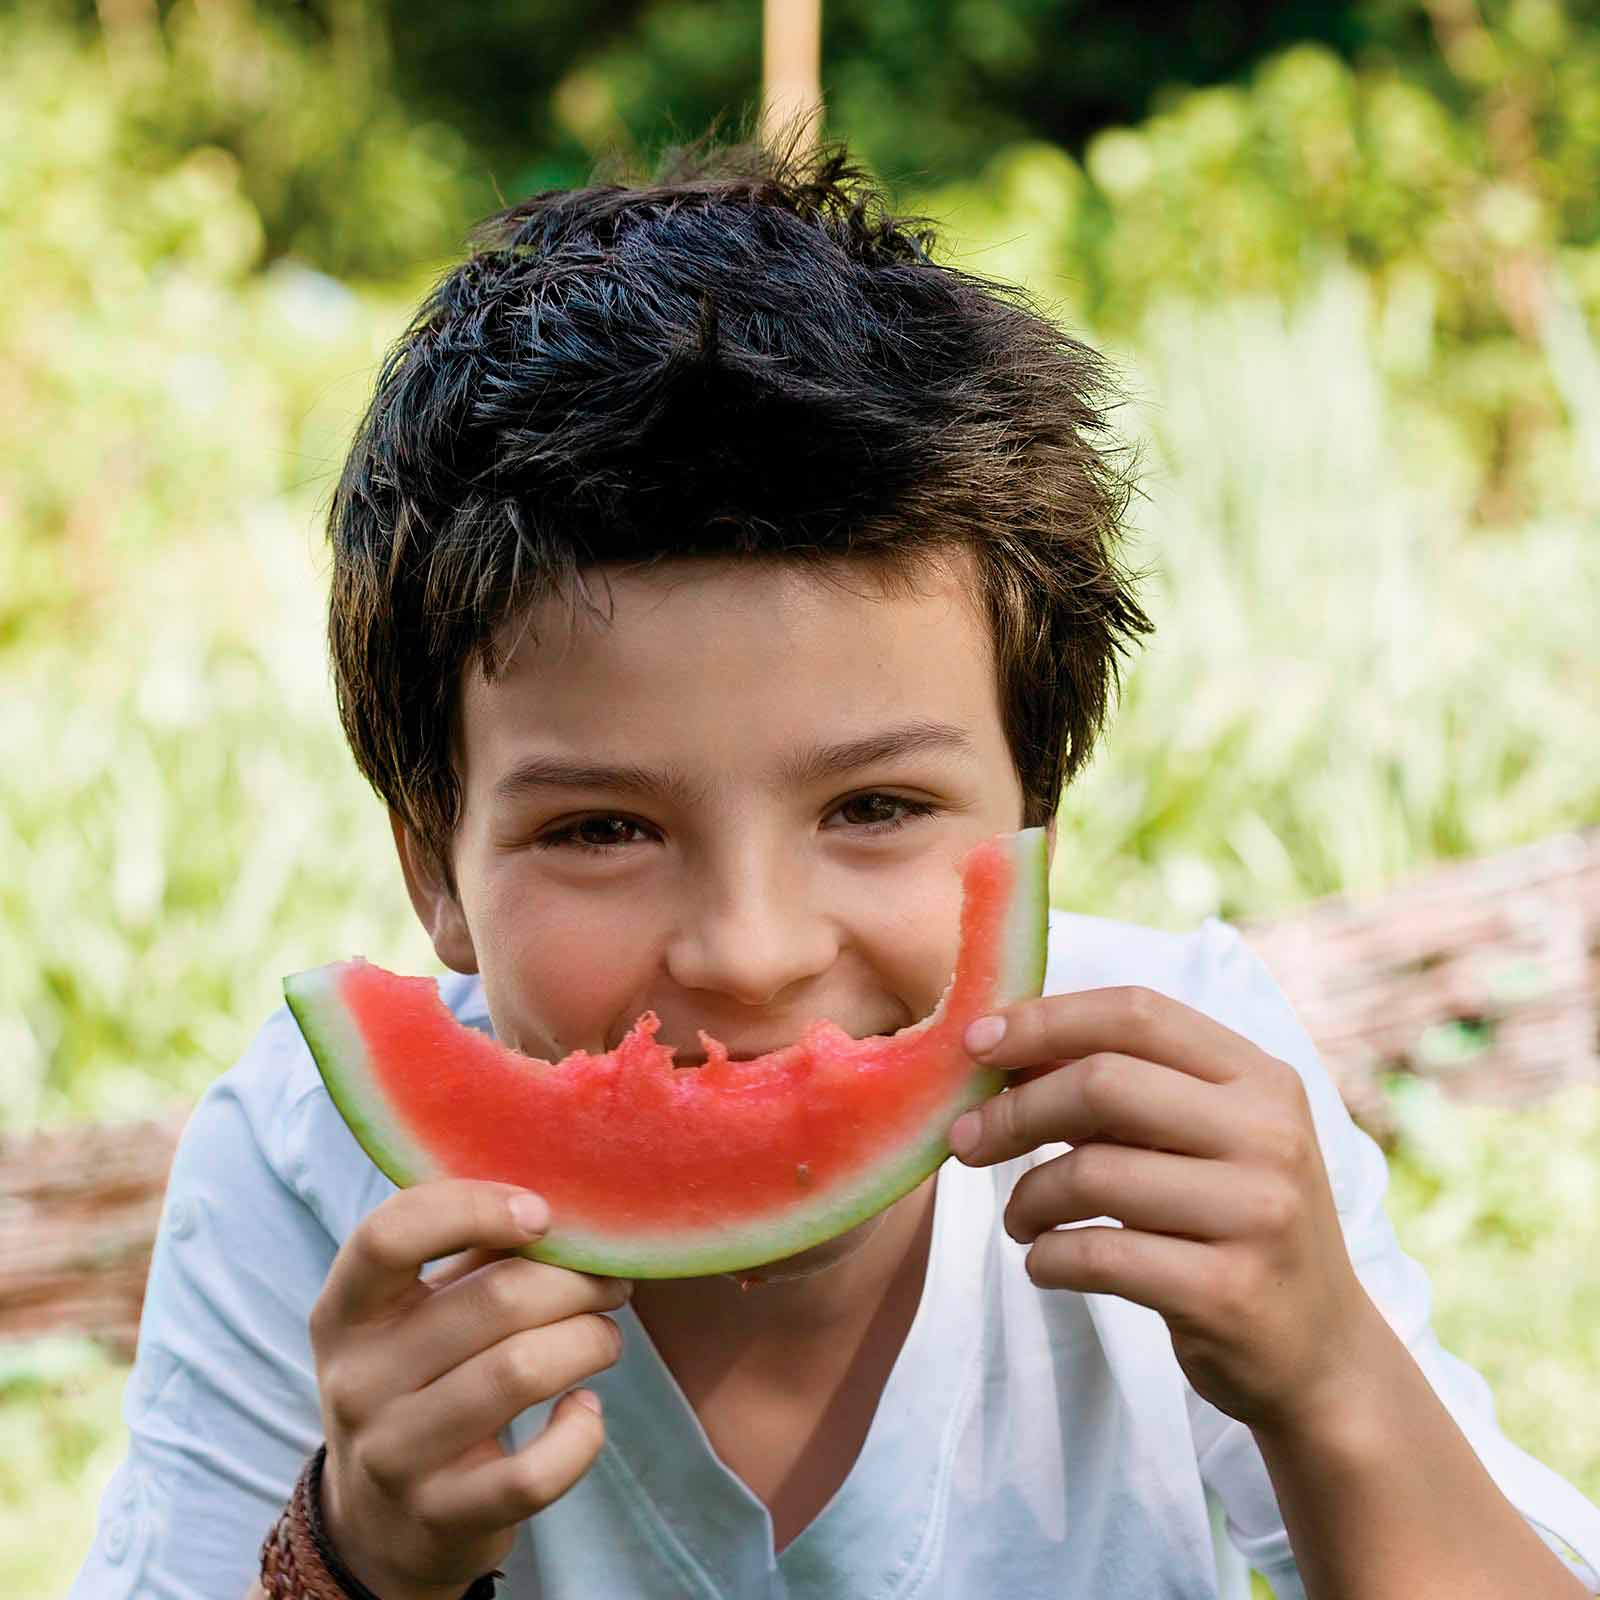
{"x":809,"y":1263}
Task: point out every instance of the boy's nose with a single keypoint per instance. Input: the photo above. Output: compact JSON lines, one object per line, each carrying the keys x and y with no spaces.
{"x":751,"y":940}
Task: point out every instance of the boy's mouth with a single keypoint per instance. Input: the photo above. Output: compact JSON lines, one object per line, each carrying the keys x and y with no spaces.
{"x":749,"y":1050}
{"x":697,"y":1056}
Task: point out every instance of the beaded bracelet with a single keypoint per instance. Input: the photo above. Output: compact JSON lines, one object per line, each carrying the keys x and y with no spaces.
{"x":299,"y":1563}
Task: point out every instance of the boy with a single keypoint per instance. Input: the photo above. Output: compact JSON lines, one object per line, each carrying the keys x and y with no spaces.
{"x":711,"y":571}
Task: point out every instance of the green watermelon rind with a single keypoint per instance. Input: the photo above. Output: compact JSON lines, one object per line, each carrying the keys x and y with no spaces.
{"x":1025,"y":943}
{"x":341,"y":1057}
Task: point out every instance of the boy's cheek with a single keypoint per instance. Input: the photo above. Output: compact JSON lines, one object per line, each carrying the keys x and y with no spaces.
{"x":918,"y":946}
{"x":562,"y":986}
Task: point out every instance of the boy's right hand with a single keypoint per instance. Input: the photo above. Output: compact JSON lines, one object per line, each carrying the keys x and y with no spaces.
{"x":417,"y":1378}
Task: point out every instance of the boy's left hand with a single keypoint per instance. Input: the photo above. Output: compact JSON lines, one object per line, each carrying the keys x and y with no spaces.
{"x":1203,"y":1147}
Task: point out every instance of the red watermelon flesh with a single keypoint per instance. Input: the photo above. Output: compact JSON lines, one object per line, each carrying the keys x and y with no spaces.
{"x":657,"y":1171}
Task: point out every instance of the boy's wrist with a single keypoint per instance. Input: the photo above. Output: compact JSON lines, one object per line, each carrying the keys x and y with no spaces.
{"x":1349,"y":1412}
{"x":300,"y":1562}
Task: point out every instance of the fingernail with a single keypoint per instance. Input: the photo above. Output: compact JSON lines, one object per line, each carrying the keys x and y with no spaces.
{"x":964,"y":1133}
{"x":530,"y":1212}
{"x":984,"y":1034}
{"x":587,"y":1397}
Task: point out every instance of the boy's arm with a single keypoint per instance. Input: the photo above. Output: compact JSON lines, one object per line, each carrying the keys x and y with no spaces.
{"x":221,"y":1404}
{"x":1438,"y":1400}
{"x":1195,"y":1137}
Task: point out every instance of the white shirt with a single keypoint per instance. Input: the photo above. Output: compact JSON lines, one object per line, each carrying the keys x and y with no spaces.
{"x":1028,"y":1442}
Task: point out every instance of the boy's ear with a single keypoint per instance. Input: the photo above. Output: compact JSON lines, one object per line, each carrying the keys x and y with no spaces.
{"x":433,"y":900}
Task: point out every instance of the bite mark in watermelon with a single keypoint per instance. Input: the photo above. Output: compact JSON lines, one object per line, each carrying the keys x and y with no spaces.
{"x":653,"y":1171}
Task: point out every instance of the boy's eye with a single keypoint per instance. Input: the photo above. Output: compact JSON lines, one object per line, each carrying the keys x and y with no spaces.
{"x":881,"y":813}
{"x":595,"y":833}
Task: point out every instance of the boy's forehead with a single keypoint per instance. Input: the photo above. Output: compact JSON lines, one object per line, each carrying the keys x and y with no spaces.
{"x":610,"y":604}
{"x":768,"y":648}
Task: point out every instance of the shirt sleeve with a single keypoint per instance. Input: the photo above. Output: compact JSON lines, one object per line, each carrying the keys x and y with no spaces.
{"x":1242,"y":994}
{"x":221,"y":1405}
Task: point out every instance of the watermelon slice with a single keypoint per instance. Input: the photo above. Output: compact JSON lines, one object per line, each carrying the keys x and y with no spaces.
{"x":653,"y":1171}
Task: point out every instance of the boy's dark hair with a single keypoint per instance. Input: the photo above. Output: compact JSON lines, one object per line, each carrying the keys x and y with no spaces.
{"x":746,"y":355}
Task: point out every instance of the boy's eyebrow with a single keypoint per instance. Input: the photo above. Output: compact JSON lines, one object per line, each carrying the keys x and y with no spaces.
{"x":800,"y":769}
{"x":557,"y":772}
{"x":909,"y":738}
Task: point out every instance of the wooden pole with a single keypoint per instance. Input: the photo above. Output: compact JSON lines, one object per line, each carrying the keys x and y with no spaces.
{"x":791,"y":69}
{"x":132,"y":33}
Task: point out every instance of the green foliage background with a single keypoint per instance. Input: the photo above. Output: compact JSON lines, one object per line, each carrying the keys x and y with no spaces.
{"x":1351,"y":276}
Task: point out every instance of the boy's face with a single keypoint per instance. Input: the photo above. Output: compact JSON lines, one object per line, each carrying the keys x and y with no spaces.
{"x":739,"y":805}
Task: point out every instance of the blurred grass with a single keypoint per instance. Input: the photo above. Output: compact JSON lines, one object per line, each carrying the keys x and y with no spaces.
{"x":1348,"y":679}
{"x":61,"y":1436}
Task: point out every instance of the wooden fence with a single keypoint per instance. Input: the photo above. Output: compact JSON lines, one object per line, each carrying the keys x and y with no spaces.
{"x":1483,"y":976}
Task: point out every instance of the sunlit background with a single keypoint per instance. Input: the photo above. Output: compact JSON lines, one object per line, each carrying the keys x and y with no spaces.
{"x":1348,"y":256}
